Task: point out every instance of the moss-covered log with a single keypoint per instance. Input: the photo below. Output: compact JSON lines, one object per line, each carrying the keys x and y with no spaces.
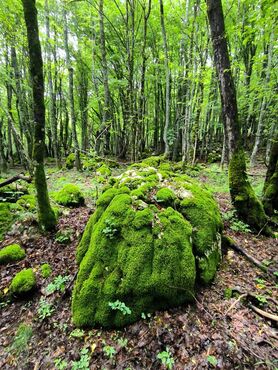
{"x":270,"y":192}
{"x":153,"y":234}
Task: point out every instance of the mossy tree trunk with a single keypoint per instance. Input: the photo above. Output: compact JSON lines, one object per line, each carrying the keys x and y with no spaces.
{"x":248,"y":207}
{"x":270,"y":191}
{"x":46,"y":215}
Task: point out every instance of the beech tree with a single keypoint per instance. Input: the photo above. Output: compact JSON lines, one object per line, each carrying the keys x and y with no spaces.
{"x":46,"y":215}
{"x":248,"y":207}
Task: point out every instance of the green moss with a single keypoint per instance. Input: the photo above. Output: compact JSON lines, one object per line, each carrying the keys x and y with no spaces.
{"x":23,"y":282}
{"x":249,"y":208}
{"x":6,"y":218}
{"x":70,"y":161}
{"x":104,"y":170}
{"x":11,"y":253}
{"x":139,"y":253}
{"x":166,"y":196}
{"x":45,"y":270}
{"x":27,"y":202}
{"x":270,"y":198}
{"x":69,"y":196}
{"x":153,"y":161}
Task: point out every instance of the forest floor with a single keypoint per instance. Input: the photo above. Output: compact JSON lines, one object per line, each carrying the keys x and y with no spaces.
{"x":218,"y":331}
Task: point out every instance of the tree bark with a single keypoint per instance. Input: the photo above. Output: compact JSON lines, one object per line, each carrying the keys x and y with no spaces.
{"x":46,"y":215}
{"x":248,"y":207}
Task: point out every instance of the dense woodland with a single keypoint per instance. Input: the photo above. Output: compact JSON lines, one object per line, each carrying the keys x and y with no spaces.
{"x":139,"y":184}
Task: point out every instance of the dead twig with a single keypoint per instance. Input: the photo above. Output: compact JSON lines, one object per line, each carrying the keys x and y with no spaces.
{"x":235,"y":303}
{"x":264,"y":314}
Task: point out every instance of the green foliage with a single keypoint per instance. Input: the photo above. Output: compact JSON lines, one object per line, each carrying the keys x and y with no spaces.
{"x":45,"y":270}
{"x":212,"y":360}
{"x":117,"y":305}
{"x":45,"y":309}
{"x":20,"y":341}
{"x":109,"y":351}
{"x":84,"y":362}
{"x":64,"y":236}
{"x":261,"y":299}
{"x":109,"y":231}
{"x":147,"y":249}
{"x":69,"y":196}
{"x":60,"y":364}
{"x":23,"y":282}
{"x":238,"y":225}
{"x":58,"y":284}
{"x":228,"y":293}
{"x":166,"y":358}
{"x":11,"y":253}
{"x":77,"y":333}
{"x":104,"y":170}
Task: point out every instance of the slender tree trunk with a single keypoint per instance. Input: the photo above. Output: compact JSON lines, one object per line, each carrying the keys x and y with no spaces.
{"x":71,"y":96}
{"x":270,"y":191}
{"x":167,"y":90}
{"x":46,"y":215}
{"x":248,"y":207}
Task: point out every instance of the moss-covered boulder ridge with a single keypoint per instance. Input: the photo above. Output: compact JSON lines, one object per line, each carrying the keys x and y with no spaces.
{"x":153,"y":235}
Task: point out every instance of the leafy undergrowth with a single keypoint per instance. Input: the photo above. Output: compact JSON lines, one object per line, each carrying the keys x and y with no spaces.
{"x":216,"y":332}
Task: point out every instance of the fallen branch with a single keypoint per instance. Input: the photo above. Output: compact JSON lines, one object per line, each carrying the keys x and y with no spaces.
{"x":230,"y":243}
{"x":15,"y":178}
{"x":265,"y":314}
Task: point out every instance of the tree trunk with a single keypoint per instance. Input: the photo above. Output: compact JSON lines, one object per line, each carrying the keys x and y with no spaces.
{"x":167,"y":90}
{"x":248,"y":207}
{"x":270,"y":192}
{"x":71,"y":96}
{"x":46,"y":215}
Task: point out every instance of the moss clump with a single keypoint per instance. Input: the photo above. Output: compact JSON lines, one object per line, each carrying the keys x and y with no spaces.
{"x":11,"y":253}
{"x":104,"y":170}
{"x":142,"y":252}
{"x":45,"y":270}
{"x":27,"y":202}
{"x":23,"y":282}
{"x":70,"y":161}
{"x":249,"y":208}
{"x":69,"y":196}
{"x":270,"y":198}
{"x":6,"y":218}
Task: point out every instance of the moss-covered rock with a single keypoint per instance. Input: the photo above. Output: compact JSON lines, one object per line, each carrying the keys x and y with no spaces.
{"x":11,"y":253}
{"x":138,"y":250}
{"x":23,"y":282}
{"x":70,"y":161}
{"x":6,"y":218}
{"x":27,"y":202}
{"x":104,"y":170}
{"x":69,"y":196}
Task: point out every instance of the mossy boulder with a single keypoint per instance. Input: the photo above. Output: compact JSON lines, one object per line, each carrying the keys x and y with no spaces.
{"x":150,"y":239}
{"x":27,"y":202}
{"x":6,"y":218}
{"x":69,"y":196}
{"x":23,"y":283}
{"x":11,"y":253}
{"x":70,"y":161}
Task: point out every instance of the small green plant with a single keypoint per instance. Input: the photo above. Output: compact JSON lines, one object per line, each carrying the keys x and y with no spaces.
{"x":240,"y":226}
{"x":84,"y":361}
{"x":77,"y":333}
{"x":261,"y":299}
{"x":118,"y":305}
{"x":60,"y":364}
{"x":45,"y":309}
{"x":58,"y":284}
{"x":45,"y":270}
{"x":122,"y":342}
{"x":228,"y":293}
{"x":21,"y":339}
{"x":267,"y":262}
{"x":61,"y":326}
{"x":166,"y":358}
{"x":145,"y":316}
{"x":212,"y":360}
{"x":109,"y":351}
{"x":110,"y":230}
{"x":229,"y":215}
{"x":64,"y":236}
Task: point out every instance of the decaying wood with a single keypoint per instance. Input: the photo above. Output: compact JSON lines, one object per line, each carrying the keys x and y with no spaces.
{"x":265,"y":314}
{"x":15,"y":178}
